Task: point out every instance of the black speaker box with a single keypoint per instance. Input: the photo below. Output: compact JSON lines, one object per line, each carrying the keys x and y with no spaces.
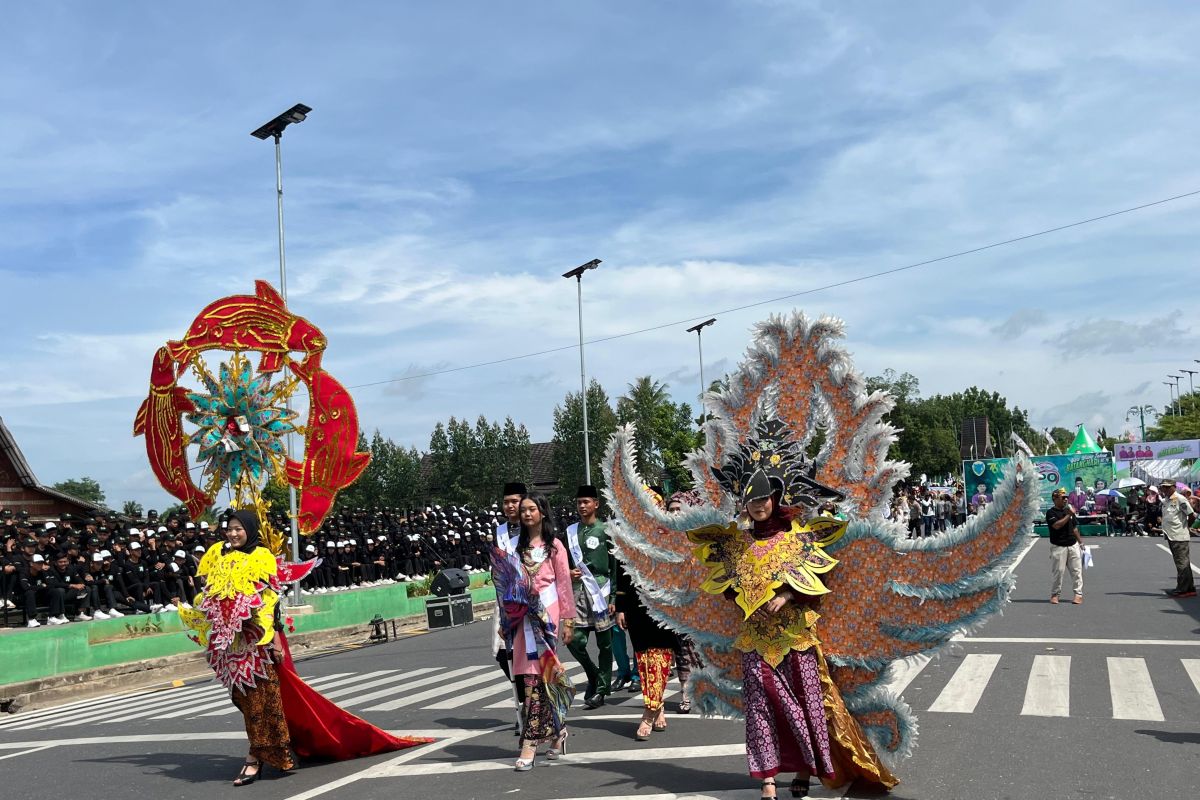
{"x":450,"y":582}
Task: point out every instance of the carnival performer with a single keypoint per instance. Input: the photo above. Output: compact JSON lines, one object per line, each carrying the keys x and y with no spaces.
{"x":795,"y":718}
{"x":653,"y":647}
{"x":234,"y":618}
{"x":591,"y":562}
{"x":687,"y":657}
{"x":506,"y":539}
{"x":537,"y":611}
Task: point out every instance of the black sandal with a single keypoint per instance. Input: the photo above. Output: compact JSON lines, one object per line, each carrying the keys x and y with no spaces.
{"x":244,"y":778}
{"x":768,"y":782}
{"x":799,"y":787}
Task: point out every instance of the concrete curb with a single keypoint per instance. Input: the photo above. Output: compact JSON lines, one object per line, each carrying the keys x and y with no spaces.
{"x":168,"y":670}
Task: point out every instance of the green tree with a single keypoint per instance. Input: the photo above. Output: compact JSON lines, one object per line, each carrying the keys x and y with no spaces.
{"x":663,"y":432}
{"x":568,"y":438}
{"x":275,"y":492}
{"x":85,"y":489}
{"x":1180,"y":420}
{"x":132,"y":508}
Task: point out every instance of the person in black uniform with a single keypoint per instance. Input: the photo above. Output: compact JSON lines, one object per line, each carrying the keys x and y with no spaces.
{"x":68,"y":591}
{"x":141,"y":591}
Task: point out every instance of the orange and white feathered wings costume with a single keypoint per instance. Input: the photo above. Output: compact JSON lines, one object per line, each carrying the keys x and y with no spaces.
{"x":888,"y":597}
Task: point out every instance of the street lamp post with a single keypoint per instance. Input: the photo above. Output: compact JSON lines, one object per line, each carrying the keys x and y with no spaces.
{"x":696,"y":329}
{"x":1171,"y":400}
{"x":1191,"y":373}
{"x":274,"y":130}
{"x":577,"y":274}
{"x":1141,"y":412}
{"x":1177,"y":398}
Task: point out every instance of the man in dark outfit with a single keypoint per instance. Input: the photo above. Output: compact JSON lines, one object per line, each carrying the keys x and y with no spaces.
{"x":1066,"y":546}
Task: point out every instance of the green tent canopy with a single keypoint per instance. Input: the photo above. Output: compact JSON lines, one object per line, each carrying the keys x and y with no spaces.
{"x":1084,"y":443}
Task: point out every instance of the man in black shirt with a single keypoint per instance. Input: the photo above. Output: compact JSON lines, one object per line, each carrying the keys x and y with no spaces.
{"x":1066,"y":546}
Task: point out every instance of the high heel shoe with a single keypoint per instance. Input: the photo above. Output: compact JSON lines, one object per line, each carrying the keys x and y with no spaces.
{"x":244,"y":778}
{"x":799,"y":787}
{"x":559,"y":748}
{"x":643,"y":730}
{"x":768,"y":782}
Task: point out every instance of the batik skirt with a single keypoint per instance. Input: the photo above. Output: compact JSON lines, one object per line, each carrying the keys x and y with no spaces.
{"x":266,"y":728}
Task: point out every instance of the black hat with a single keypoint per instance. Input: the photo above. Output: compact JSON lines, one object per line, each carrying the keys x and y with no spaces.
{"x":6,"y":514}
{"x":759,"y":486}
{"x":514,"y":488}
{"x":152,"y":514}
{"x":587,"y":490}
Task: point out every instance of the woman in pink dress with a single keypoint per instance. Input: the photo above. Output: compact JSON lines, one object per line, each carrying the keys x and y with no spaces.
{"x":537,"y":610}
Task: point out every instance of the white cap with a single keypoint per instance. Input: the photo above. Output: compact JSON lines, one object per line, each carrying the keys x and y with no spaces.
{"x":198,"y":548}
{"x":180,"y":554}
{"x":382,"y":539}
{"x":97,"y":557}
{"x":163,"y":529}
{"x":135,"y":546}
{"x":105,"y":554}
{"x":50,"y":526}
{"x":38,"y":558}
{"x":312,"y":548}
{"x":203,"y":525}
{"x":330,"y":544}
{"x":187,"y":526}
{"x":134,"y":532}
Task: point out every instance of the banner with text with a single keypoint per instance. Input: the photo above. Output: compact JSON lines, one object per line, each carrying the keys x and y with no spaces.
{"x":1077,"y":474}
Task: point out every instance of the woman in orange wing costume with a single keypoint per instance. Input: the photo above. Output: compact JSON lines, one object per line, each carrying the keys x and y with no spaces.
{"x":235,"y":620}
{"x":796,"y":408}
{"x":795,"y":718}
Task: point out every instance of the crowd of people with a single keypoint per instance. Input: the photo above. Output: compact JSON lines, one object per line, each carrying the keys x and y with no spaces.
{"x":74,"y":569}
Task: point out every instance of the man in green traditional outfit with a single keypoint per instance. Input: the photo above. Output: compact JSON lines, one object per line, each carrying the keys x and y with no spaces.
{"x":591,"y":574}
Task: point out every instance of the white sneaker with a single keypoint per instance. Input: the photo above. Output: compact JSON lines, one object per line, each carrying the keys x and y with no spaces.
{"x":99,"y":615}
{"x":56,"y":621}
{"x":9,"y":604}
{"x":81,"y":617}
{"x":155,"y":608}
{"x":115,"y":613}
{"x":33,"y":623}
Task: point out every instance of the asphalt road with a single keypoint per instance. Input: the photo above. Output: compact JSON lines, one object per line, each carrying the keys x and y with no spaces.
{"x":1100,"y":700}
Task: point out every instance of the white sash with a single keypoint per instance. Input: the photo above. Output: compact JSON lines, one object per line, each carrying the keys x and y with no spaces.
{"x":597,"y":593}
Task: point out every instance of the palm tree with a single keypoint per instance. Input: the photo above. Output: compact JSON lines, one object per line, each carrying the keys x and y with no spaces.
{"x":644,"y":405}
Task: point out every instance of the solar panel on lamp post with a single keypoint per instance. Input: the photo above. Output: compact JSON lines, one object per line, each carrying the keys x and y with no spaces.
{"x":274,"y":130}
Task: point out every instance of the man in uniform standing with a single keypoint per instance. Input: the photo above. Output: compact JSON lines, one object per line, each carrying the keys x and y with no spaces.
{"x":1065,"y":546}
{"x":1177,"y":516}
{"x":591,"y":575}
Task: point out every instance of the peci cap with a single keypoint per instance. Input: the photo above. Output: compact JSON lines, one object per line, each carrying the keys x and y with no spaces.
{"x":514,"y":487}
{"x":586,"y":491}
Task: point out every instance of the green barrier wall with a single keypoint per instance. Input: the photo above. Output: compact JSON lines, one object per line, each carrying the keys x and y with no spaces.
{"x":30,"y":654}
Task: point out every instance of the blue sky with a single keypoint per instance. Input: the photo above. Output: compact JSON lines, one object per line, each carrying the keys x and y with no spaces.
{"x":460,"y":157}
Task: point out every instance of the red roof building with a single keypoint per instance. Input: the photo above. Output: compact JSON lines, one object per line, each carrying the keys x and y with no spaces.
{"x":20,"y":490}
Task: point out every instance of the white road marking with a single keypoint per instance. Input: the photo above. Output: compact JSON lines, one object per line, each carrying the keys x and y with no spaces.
{"x":391,"y":691}
{"x":1192,"y":665}
{"x":575,"y":677}
{"x":966,"y":685}
{"x":437,"y":691}
{"x":155,"y":701}
{"x":1037,"y":640}
{"x":1166,"y":549}
{"x":1132,"y":690}
{"x":1048,"y":691}
{"x":324,"y":682}
{"x":408,"y":755}
{"x":27,"y":752}
{"x":97,"y":702}
{"x":573,"y":759}
{"x":901,"y":673}
{"x":219,"y":699}
{"x":223,"y":701}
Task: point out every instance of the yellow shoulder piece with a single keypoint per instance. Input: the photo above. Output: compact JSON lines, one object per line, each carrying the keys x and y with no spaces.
{"x":720,"y":548}
{"x":231,"y":573}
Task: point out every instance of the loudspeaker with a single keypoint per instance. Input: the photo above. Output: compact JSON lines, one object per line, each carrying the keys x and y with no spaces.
{"x":449,"y":582}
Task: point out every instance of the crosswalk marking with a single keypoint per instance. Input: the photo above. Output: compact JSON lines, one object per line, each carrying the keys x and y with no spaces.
{"x":392,"y":705}
{"x":1132,"y":690}
{"x":323,"y":683}
{"x":220,"y":701}
{"x":575,"y":677}
{"x":1048,"y":691}
{"x":1192,"y":666}
{"x":962,"y":693}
